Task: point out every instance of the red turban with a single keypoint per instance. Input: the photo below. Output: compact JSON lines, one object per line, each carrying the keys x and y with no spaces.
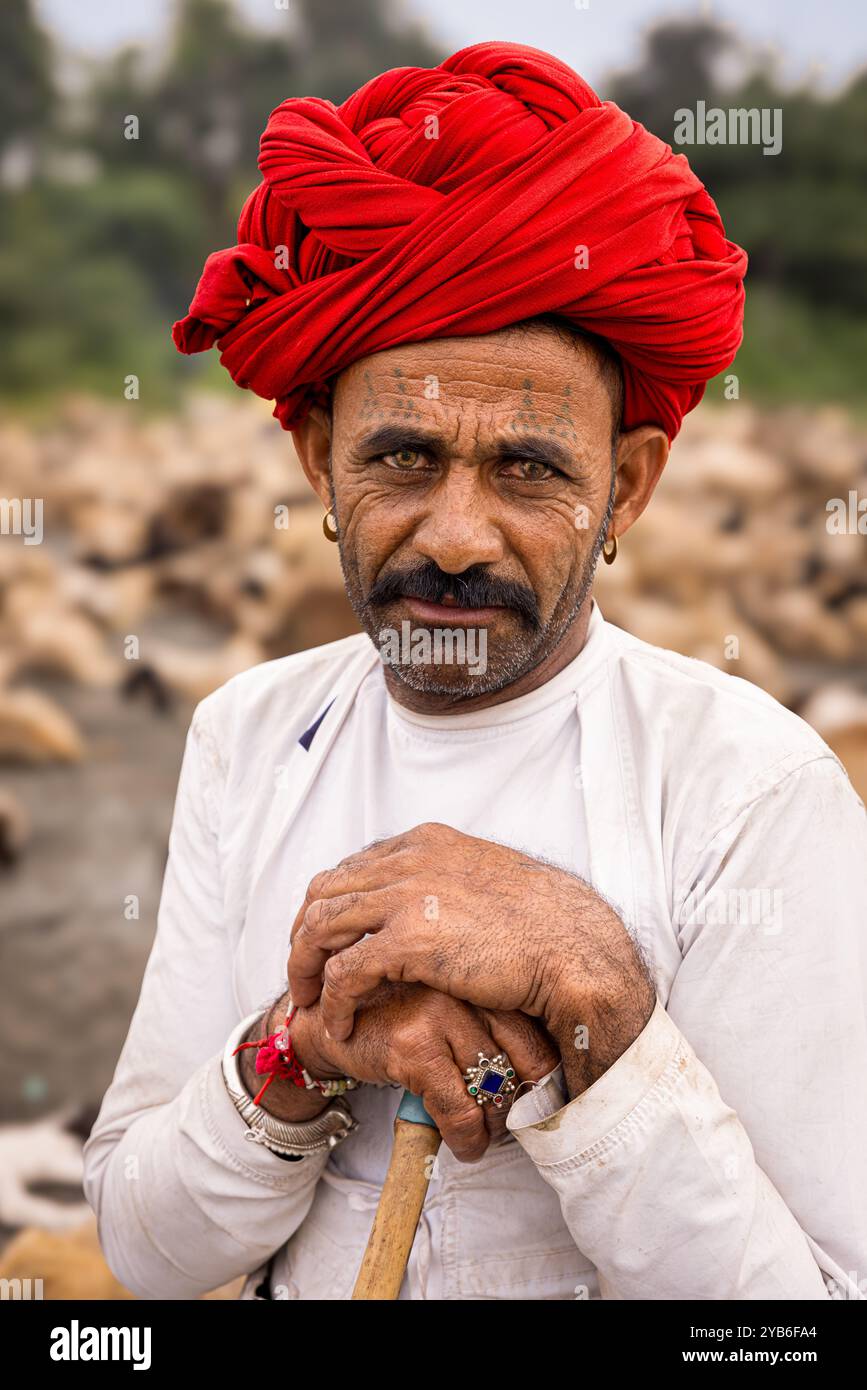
{"x":455,"y":200}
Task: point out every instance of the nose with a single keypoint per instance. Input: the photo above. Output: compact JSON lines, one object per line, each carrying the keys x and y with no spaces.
{"x":458,"y":529}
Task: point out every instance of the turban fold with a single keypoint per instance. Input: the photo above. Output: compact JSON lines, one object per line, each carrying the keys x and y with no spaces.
{"x":456,"y":200}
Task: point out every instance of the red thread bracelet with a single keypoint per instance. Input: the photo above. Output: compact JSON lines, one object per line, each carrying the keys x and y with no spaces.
{"x":276,"y":1058}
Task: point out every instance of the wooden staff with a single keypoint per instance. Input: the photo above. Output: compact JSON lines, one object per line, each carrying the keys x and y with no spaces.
{"x":416,"y":1141}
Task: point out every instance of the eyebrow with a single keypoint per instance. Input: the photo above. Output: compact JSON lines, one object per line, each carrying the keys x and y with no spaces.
{"x":538,"y":448}
{"x":386,"y":439}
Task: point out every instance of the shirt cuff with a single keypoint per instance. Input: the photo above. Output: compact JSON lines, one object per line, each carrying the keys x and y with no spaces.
{"x":551,"y":1128}
{"x":543,"y":1099}
{"x":228,"y":1129}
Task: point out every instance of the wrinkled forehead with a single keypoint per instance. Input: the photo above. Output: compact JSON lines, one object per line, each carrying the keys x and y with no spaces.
{"x":530,"y":379}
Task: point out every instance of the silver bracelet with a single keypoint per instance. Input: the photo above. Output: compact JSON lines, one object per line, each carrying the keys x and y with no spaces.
{"x":320,"y":1134}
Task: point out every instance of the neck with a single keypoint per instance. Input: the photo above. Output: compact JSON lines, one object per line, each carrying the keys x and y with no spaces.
{"x":421,"y":702}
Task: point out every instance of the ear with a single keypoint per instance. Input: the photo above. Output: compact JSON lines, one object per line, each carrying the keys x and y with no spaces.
{"x":641,"y":456}
{"x":312,"y":439}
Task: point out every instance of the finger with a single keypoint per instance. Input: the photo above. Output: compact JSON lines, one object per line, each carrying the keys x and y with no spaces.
{"x":328,"y":925}
{"x":417,"y":840}
{"x":364,"y":871}
{"x":349,"y":976}
{"x":339,"y":879}
{"x":316,"y":889}
{"x":404,"y":949}
{"x":332,"y":883}
{"x":384,"y":848}
{"x":529,"y":1048}
{"x":368,"y":868}
{"x":468,"y":1042}
{"x":454,"y":1112}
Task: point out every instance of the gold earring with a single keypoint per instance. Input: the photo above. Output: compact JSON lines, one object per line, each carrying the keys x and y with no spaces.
{"x":609,"y":556}
{"x":329,"y":534}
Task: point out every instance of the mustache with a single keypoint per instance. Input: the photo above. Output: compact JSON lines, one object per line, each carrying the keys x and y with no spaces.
{"x":476,"y":587}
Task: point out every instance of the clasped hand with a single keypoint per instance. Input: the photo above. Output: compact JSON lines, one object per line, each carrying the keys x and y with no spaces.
{"x":482,"y":923}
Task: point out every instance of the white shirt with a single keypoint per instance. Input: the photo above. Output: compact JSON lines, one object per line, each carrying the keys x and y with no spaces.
{"x":503,"y":773}
{"x":722,"y":1156}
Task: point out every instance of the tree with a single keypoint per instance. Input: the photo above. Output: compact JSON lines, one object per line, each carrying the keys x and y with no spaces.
{"x":27,"y":96}
{"x":799,"y":213}
{"x":342,"y":46}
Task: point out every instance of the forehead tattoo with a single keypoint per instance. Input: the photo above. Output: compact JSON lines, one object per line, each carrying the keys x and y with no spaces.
{"x":410,"y":409}
{"x":369,"y":407}
{"x":523,"y":424}
{"x":372,"y":407}
{"x":527,"y":419}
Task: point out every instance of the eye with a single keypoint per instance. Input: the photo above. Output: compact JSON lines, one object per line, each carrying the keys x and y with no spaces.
{"x":533,"y":471}
{"x":404,"y":460}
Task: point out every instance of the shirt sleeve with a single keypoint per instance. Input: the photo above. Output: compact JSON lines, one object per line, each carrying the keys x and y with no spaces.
{"x":723,"y":1155}
{"x":183,"y":1202}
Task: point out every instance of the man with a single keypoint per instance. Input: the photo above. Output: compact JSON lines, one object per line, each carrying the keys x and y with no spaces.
{"x":483,"y":301}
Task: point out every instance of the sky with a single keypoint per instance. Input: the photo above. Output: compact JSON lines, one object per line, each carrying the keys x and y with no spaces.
{"x":822,"y":42}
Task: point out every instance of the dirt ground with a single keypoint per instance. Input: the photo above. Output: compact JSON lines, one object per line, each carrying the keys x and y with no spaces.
{"x":71,"y":961}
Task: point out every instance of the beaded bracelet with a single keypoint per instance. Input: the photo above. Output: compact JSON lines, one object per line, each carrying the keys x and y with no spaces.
{"x":276,"y":1058}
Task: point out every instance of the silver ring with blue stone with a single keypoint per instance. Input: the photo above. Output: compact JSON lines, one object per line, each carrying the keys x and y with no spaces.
{"x":492,"y":1081}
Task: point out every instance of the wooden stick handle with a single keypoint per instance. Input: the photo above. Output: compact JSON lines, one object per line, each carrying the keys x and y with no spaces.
{"x":400,"y":1204}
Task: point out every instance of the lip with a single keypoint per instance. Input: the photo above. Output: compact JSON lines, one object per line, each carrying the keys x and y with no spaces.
{"x":447,"y":615}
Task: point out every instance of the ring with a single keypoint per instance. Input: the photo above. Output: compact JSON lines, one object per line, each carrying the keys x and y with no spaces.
{"x":491,"y":1080}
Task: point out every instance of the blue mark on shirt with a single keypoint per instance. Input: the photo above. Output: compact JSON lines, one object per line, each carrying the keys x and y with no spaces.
{"x":309,"y":734}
